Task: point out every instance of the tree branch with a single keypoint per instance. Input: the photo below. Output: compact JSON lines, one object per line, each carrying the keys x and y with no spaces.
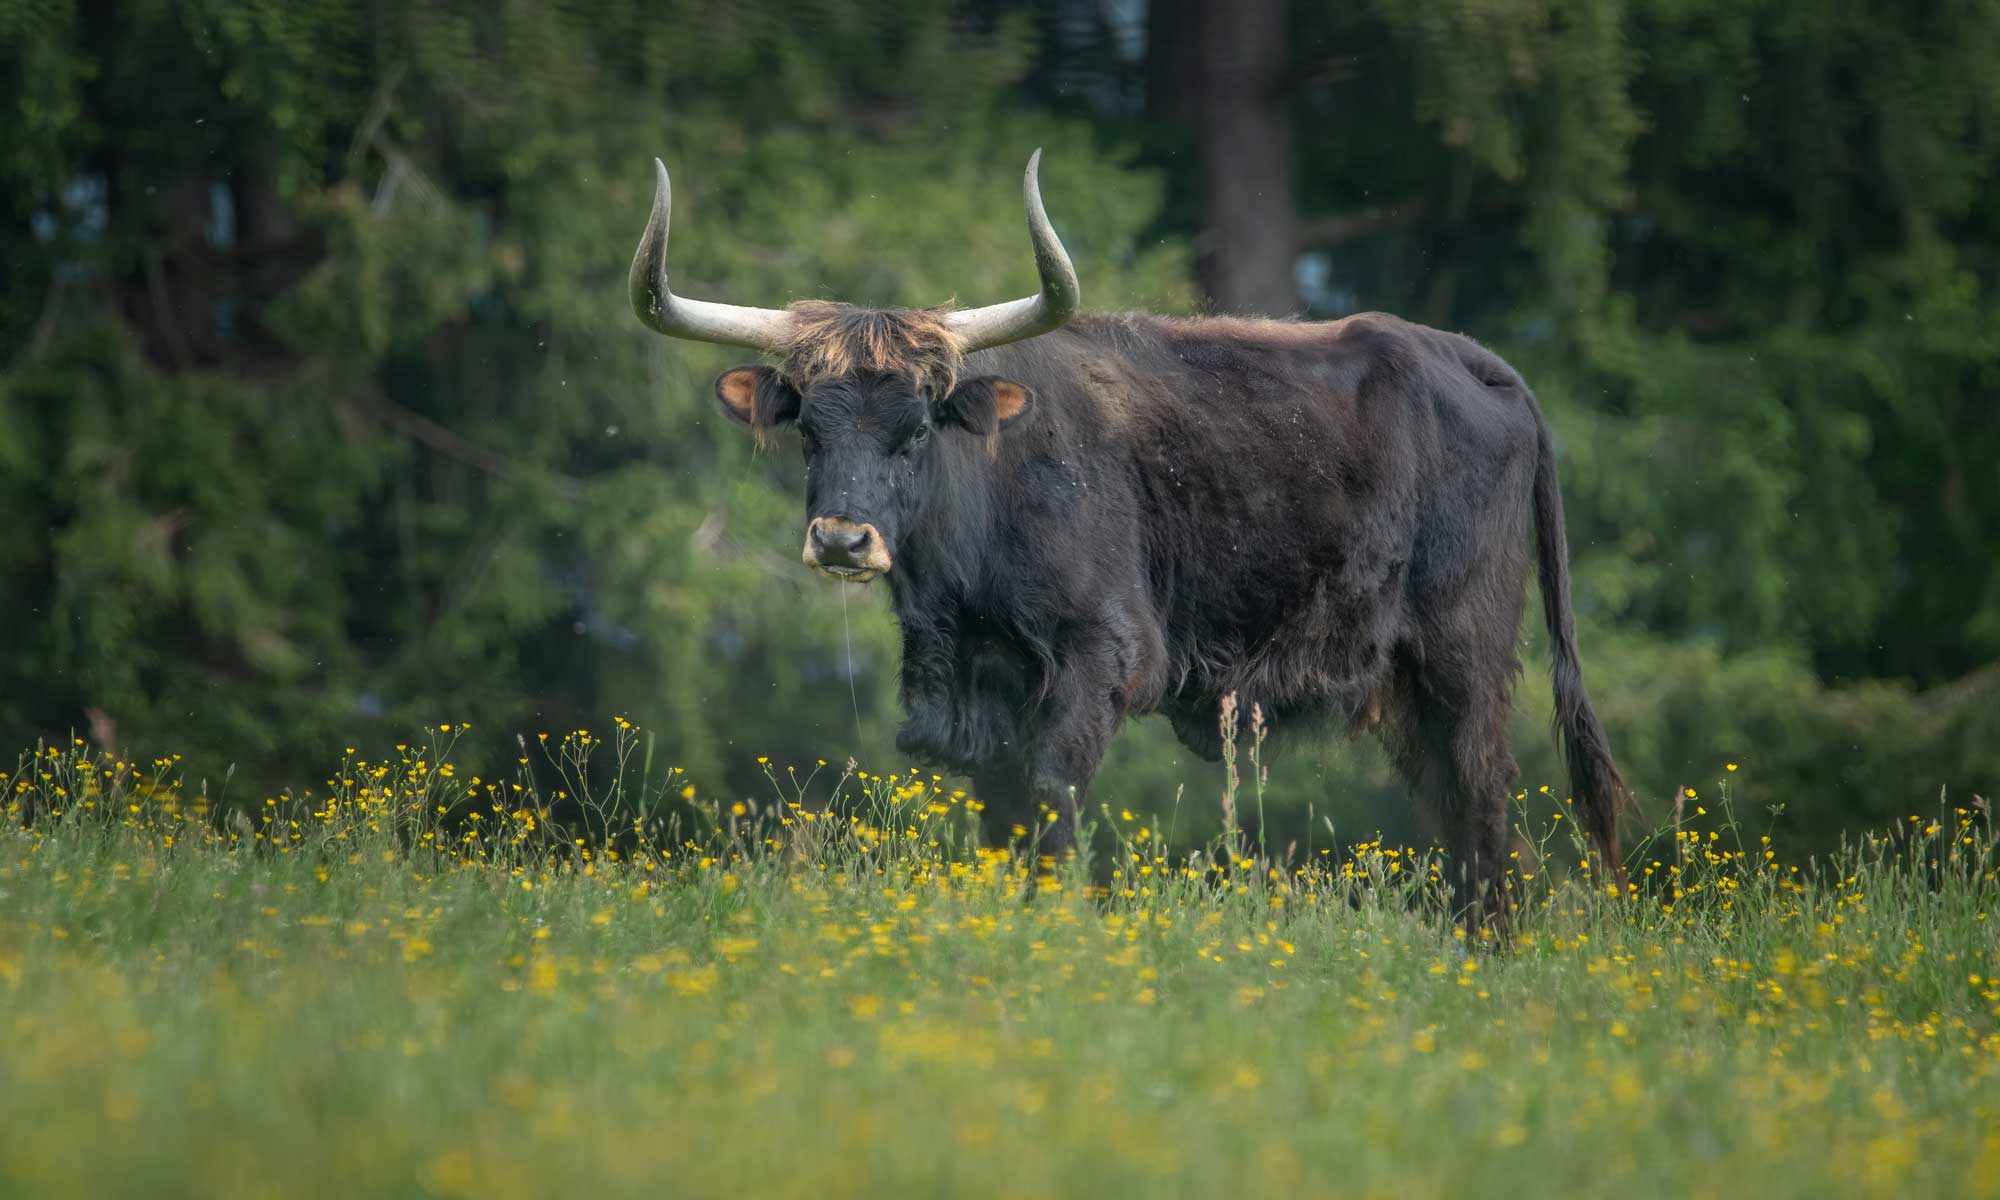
{"x":422,"y":429}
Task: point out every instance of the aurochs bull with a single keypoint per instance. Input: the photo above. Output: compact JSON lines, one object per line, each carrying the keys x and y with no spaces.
{"x":1087,"y":517}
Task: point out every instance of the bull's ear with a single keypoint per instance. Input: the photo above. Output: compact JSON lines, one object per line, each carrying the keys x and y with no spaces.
{"x":985,"y":404}
{"x":757,"y":396}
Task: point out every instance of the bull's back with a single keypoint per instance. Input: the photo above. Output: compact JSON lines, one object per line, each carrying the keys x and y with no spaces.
{"x":1281,"y":475}
{"x":1279,"y":453}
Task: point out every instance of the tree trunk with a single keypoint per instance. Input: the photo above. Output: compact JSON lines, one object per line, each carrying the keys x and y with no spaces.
{"x":1251,"y":236}
{"x":1173,"y":60}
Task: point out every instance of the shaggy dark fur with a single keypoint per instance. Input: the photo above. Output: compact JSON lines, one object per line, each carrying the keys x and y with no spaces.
{"x":1331,"y":520}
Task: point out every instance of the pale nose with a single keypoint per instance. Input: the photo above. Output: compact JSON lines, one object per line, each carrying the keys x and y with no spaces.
{"x":840,"y":545}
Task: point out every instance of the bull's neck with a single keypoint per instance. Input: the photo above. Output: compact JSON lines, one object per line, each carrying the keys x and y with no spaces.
{"x":948,"y":550}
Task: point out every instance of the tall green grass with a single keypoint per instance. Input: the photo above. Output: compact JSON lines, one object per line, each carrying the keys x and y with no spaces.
{"x":606,"y":985}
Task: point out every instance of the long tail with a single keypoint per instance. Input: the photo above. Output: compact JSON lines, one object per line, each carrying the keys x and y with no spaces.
{"x":1594,"y":781}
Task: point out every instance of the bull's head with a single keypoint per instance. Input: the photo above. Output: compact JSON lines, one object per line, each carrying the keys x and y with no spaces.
{"x":870,"y":390}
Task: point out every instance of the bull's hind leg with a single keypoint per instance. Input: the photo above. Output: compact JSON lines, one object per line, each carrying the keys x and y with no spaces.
{"x":1450,"y":743}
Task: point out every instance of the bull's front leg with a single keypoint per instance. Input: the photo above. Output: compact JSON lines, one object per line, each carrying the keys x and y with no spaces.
{"x":933,"y":725}
{"x":1073,"y":726}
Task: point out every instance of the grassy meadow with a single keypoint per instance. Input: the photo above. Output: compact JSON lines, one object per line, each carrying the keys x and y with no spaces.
{"x":414,"y":981}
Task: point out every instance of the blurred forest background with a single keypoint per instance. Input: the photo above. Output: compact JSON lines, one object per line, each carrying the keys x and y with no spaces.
{"x":323,"y":414}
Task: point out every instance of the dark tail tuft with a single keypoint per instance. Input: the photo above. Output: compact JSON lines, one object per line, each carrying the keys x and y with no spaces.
{"x":1594,"y":781}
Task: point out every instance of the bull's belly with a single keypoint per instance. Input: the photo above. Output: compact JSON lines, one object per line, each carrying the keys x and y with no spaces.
{"x":1322,"y":657}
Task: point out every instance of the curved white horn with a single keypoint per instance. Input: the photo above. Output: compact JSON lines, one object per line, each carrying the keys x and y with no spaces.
{"x":997,"y":324}
{"x":677,"y":316}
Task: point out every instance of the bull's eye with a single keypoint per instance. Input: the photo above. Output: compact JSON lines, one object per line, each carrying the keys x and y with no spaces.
{"x":808,"y":443}
{"x":917,"y":439}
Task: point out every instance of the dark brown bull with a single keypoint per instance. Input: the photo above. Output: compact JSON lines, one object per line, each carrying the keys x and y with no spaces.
{"x":1083,"y":520}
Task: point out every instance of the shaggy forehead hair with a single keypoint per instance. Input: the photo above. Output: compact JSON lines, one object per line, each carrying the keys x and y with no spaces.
{"x":829,"y":339}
